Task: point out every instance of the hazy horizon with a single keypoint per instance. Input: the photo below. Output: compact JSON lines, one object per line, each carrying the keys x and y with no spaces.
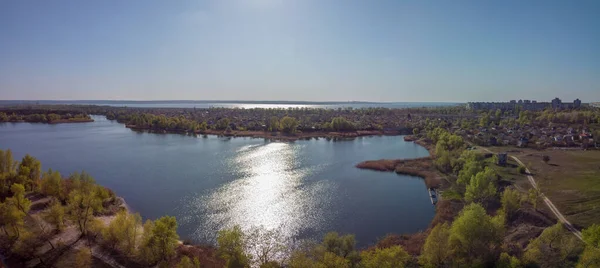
{"x":292,"y":50}
{"x":223,"y":101}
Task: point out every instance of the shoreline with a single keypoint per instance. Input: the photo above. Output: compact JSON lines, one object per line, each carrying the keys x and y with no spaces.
{"x":56,"y":122}
{"x":280,"y":135}
{"x":421,"y":167}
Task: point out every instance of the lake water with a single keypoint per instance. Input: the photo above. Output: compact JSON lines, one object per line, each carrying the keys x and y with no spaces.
{"x":302,"y":189}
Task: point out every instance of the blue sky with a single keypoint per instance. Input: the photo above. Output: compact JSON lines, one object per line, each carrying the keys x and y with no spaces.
{"x":315,"y":50}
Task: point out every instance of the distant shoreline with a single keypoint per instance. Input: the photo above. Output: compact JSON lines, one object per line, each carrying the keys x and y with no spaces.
{"x":219,"y":101}
{"x":56,"y":122}
{"x":283,"y":136}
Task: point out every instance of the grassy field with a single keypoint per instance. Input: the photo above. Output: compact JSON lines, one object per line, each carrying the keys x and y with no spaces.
{"x":510,"y":175}
{"x":571,"y":179}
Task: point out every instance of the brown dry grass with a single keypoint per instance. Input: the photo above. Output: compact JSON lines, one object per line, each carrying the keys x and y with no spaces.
{"x":420,"y":167}
{"x":412,"y":243}
{"x":206,"y":254}
{"x":446,"y":211}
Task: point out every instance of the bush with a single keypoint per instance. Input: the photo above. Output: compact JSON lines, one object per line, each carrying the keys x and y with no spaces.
{"x":521,"y":169}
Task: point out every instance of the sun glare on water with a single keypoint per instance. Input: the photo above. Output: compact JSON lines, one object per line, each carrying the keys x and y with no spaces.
{"x":270,"y":194}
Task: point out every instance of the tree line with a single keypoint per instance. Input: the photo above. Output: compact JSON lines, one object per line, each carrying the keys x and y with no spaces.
{"x":286,"y":124}
{"x":43,"y":117}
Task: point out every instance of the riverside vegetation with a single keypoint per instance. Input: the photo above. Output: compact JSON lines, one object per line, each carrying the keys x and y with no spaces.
{"x":40,"y":210}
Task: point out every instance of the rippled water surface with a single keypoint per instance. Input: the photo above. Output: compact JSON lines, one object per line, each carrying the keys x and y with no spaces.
{"x":302,"y":189}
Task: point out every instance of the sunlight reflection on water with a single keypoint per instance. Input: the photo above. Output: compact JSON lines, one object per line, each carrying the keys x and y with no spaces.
{"x":270,"y":194}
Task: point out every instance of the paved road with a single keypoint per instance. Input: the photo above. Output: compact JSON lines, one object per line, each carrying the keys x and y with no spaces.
{"x":547,"y":201}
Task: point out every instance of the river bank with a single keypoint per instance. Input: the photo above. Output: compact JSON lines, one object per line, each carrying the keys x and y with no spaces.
{"x":55,"y":122}
{"x":281,"y":136}
{"x":421,"y":167}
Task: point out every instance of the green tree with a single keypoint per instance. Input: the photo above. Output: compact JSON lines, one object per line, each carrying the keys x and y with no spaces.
{"x":7,"y":171}
{"x":18,"y":199}
{"x":534,"y":197}
{"x":342,"y":124}
{"x":122,"y":232}
{"x":11,"y":217}
{"x":384,"y":258}
{"x":55,"y":215}
{"x":589,"y":258}
{"x":186,"y":262}
{"x":435,"y":251}
{"x":507,"y":261}
{"x":498,"y":114}
{"x":555,"y":247}
{"x":288,"y":124}
{"x":342,"y":246}
{"x":3,"y":117}
{"x":222,"y":123}
{"x":299,"y":259}
{"x":53,"y":117}
{"x":469,"y":170}
{"x":273,"y":124}
{"x":51,"y":184}
{"x":511,"y":202}
{"x":29,"y":170}
{"x":165,"y":236}
{"x":484,"y":121}
{"x":591,"y":235}
{"x":473,"y":237}
{"x":334,"y":261}
{"x":82,"y":205}
{"x":482,"y":186}
{"x":159,"y":240}
{"x":443,"y":161}
{"x":591,"y":255}
{"x":231,"y":245}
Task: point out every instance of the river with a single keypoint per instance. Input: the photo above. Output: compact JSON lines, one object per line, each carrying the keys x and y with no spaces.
{"x":302,"y":189}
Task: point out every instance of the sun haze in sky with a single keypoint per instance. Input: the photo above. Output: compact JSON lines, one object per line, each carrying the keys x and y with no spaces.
{"x":312,"y":50}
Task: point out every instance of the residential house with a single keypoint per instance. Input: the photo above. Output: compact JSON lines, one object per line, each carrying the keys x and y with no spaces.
{"x":569,"y":140}
{"x":502,"y":158}
{"x":558,"y":138}
{"x":523,"y":141}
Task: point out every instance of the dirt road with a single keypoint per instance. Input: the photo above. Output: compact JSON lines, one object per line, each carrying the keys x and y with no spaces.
{"x":547,"y":201}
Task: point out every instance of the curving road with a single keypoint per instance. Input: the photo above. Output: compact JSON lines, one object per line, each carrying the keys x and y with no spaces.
{"x":547,"y":201}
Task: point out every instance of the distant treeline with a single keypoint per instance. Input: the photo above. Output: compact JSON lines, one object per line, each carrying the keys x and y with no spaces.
{"x":255,"y":119}
{"x":43,"y":116}
{"x":299,"y":119}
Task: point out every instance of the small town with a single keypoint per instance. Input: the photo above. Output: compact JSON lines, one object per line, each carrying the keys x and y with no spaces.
{"x":560,"y":125}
